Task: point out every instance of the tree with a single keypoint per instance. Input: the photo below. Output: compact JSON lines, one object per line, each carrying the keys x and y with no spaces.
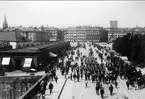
{"x":132,"y":46}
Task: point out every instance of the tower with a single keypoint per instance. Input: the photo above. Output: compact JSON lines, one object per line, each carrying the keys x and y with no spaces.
{"x":5,"y":23}
{"x":113,"y":24}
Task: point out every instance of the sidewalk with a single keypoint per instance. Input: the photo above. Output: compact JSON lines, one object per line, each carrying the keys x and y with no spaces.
{"x":57,"y":87}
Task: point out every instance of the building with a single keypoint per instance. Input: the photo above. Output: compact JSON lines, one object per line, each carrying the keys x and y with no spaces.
{"x":60,"y":35}
{"x":26,"y":33}
{"x":16,"y":59}
{"x":139,"y":30}
{"x":113,"y":23}
{"x":103,"y":35}
{"x":114,"y":33}
{"x":93,"y":34}
{"x":19,"y":36}
{"x":52,"y":33}
{"x":75,"y":34}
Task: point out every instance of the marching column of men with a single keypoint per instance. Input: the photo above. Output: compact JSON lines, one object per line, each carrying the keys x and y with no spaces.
{"x":102,"y":73}
{"x":105,"y":73}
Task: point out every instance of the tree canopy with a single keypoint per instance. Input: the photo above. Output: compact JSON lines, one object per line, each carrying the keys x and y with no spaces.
{"x":132,"y":46}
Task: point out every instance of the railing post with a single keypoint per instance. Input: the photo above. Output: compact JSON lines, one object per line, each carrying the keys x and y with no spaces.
{"x":10,"y":91}
{"x":14,"y":89}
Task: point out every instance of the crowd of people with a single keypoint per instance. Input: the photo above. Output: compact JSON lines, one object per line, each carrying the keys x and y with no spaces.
{"x":107,"y":72}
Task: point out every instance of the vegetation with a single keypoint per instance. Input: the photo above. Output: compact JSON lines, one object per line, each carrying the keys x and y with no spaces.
{"x":132,"y":46}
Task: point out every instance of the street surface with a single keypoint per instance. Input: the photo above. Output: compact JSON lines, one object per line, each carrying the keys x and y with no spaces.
{"x":77,"y":90}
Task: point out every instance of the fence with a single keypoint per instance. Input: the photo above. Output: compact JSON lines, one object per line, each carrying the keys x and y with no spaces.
{"x":32,"y":92}
{"x":12,"y":87}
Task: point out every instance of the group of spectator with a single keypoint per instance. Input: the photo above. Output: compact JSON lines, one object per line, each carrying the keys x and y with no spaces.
{"x":104,"y":73}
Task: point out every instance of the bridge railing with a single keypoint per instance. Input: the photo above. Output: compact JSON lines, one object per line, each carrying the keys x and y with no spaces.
{"x":33,"y":91}
{"x":12,"y":87}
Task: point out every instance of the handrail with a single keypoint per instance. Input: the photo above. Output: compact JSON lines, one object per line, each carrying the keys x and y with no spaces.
{"x":26,"y":94}
{"x":60,"y":92}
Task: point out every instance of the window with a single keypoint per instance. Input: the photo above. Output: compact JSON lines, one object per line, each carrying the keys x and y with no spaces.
{"x":27,"y":62}
{"x":6,"y":61}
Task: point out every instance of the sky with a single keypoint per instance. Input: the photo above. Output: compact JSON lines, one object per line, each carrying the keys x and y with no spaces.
{"x":63,"y":14}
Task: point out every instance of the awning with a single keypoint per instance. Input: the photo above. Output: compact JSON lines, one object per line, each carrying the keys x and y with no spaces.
{"x":52,"y":54}
{"x":27,"y":62}
{"x":6,"y":60}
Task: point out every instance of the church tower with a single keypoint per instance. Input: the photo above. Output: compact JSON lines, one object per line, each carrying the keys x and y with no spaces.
{"x":5,"y":23}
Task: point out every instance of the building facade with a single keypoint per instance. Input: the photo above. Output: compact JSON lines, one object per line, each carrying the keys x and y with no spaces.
{"x":54,"y":34}
{"x":139,"y":30}
{"x":114,"y":33}
{"x":75,"y":34}
{"x":93,"y":34}
{"x":113,"y":23}
{"x":103,"y":35}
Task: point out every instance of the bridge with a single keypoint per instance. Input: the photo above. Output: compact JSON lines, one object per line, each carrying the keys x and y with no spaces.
{"x":17,"y":64}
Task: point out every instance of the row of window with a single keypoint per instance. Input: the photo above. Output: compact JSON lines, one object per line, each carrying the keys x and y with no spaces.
{"x":75,"y":33}
{"x":52,"y":37}
{"x":118,"y":33}
{"x":93,"y":39}
{"x":52,"y":31}
{"x":75,"y":36}
{"x":75,"y":40}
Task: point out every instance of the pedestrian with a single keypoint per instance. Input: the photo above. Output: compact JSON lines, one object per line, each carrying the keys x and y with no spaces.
{"x":86,"y":84}
{"x":56,"y":78}
{"x":116,"y":84}
{"x":51,"y":87}
{"x":127,"y":83}
{"x":102,"y":92}
{"x":42,"y":91}
{"x":71,"y":76}
{"x":78,"y":77}
{"x":111,"y":89}
{"x":74,"y":76}
{"x":85,"y":76}
{"x":81,"y":76}
{"x":97,"y":89}
{"x":65,"y":75}
{"x":92,"y":78}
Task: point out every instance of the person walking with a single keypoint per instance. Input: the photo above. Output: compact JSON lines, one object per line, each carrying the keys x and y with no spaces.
{"x":78,"y":77}
{"x":116,"y":84}
{"x":74,"y":77}
{"x":71,"y":76}
{"x":97,"y":89}
{"x":51,"y":87}
{"x":127,"y":83}
{"x":56,"y":78}
{"x":102,"y":92}
{"x":111,"y":89}
{"x":42,"y":91}
{"x":86,"y":84}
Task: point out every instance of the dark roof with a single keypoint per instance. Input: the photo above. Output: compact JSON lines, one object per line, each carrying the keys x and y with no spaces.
{"x":50,"y":28}
{"x":24,"y":50}
{"x":7,"y":36}
{"x":24,"y":29}
{"x":33,"y":49}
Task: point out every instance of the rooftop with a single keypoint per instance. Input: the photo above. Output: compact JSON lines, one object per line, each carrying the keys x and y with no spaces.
{"x":31,"y":49}
{"x":24,"y":29}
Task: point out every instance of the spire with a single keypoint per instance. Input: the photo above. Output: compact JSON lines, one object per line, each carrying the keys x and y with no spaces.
{"x":5,"y":23}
